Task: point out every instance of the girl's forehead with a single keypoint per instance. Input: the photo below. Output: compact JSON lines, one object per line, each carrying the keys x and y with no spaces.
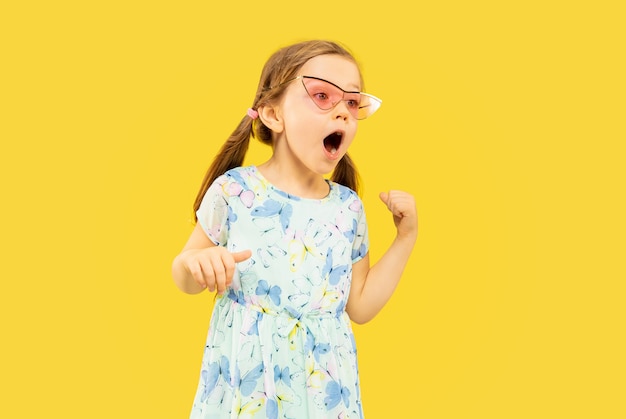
{"x":337,"y":69}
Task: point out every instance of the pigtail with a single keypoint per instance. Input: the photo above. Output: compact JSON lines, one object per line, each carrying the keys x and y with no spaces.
{"x":231,"y":155}
{"x":346,"y":174}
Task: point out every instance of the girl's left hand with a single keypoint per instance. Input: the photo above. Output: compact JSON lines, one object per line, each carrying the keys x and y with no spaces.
{"x":402,"y":206}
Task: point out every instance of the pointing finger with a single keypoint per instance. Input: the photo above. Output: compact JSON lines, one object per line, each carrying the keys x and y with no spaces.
{"x":241,"y":256}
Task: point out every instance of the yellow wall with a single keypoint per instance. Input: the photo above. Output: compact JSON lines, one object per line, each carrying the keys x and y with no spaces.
{"x":505,"y":119}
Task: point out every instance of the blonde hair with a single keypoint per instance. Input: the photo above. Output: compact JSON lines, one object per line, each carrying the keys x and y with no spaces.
{"x":281,"y":66}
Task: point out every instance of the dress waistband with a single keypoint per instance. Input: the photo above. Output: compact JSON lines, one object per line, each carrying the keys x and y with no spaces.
{"x":288,"y":320}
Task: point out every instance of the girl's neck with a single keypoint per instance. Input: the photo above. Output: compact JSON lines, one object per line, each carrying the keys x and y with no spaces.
{"x":294,"y":181}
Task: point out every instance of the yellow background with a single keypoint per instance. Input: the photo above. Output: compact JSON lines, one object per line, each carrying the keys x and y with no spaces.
{"x":505,"y":119}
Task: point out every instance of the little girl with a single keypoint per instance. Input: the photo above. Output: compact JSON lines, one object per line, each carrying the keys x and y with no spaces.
{"x":287,"y":249}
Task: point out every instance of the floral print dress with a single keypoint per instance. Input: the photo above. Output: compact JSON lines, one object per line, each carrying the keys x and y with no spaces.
{"x":280,"y":344}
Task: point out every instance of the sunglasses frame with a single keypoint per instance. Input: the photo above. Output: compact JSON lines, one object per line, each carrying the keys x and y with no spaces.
{"x":372,"y":97}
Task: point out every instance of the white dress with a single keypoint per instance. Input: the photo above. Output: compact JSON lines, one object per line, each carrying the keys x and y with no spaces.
{"x":280,"y":344}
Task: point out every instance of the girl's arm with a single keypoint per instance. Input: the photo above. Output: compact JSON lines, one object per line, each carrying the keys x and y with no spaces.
{"x":202,"y":264}
{"x":372,"y":287}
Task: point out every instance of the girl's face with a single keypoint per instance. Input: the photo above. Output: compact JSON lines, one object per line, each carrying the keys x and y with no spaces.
{"x":315,"y":138}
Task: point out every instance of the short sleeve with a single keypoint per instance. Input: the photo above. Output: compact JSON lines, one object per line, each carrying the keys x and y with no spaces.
{"x":360,"y":245}
{"x":213,"y":212}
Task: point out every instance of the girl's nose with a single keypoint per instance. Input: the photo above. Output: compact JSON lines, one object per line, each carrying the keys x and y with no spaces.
{"x":341,"y":111}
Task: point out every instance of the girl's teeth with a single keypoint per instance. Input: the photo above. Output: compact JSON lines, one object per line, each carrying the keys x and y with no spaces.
{"x":333,"y":151}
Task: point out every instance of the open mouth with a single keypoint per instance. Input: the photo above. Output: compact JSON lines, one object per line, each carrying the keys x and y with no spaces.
{"x":333,"y":141}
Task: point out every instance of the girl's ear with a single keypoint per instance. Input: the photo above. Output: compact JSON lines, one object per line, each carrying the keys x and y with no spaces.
{"x":271,"y":118}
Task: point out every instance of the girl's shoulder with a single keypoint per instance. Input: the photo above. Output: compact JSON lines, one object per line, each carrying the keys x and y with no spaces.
{"x":347,"y":197}
{"x":242,"y":176}
{"x":243,"y":182}
{"x":343,"y":192}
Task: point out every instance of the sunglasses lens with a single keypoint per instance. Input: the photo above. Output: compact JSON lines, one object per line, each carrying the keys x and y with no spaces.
{"x":368,"y":105}
{"x":326,"y":96}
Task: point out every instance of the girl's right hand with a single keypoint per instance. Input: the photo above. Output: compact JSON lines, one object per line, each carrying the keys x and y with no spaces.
{"x":212,"y":267}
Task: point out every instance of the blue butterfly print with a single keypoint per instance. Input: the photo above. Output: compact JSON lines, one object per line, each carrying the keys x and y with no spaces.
{"x":282,"y":375}
{"x":345,"y":193}
{"x":341,"y":307}
{"x":236,"y":296}
{"x":254,"y":327}
{"x":271,"y":208}
{"x":360,"y":252}
{"x":328,"y":265}
{"x":320,"y":349}
{"x":248,"y":382}
{"x":316,"y":348}
{"x":334,"y":273}
{"x":335,"y":392}
{"x":309,"y":343}
{"x":271,"y":409}
{"x":232,"y":217}
{"x":236,"y":177}
{"x":351,"y":234}
{"x":209,"y":380}
{"x":273,"y":292}
{"x":211,"y":375}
